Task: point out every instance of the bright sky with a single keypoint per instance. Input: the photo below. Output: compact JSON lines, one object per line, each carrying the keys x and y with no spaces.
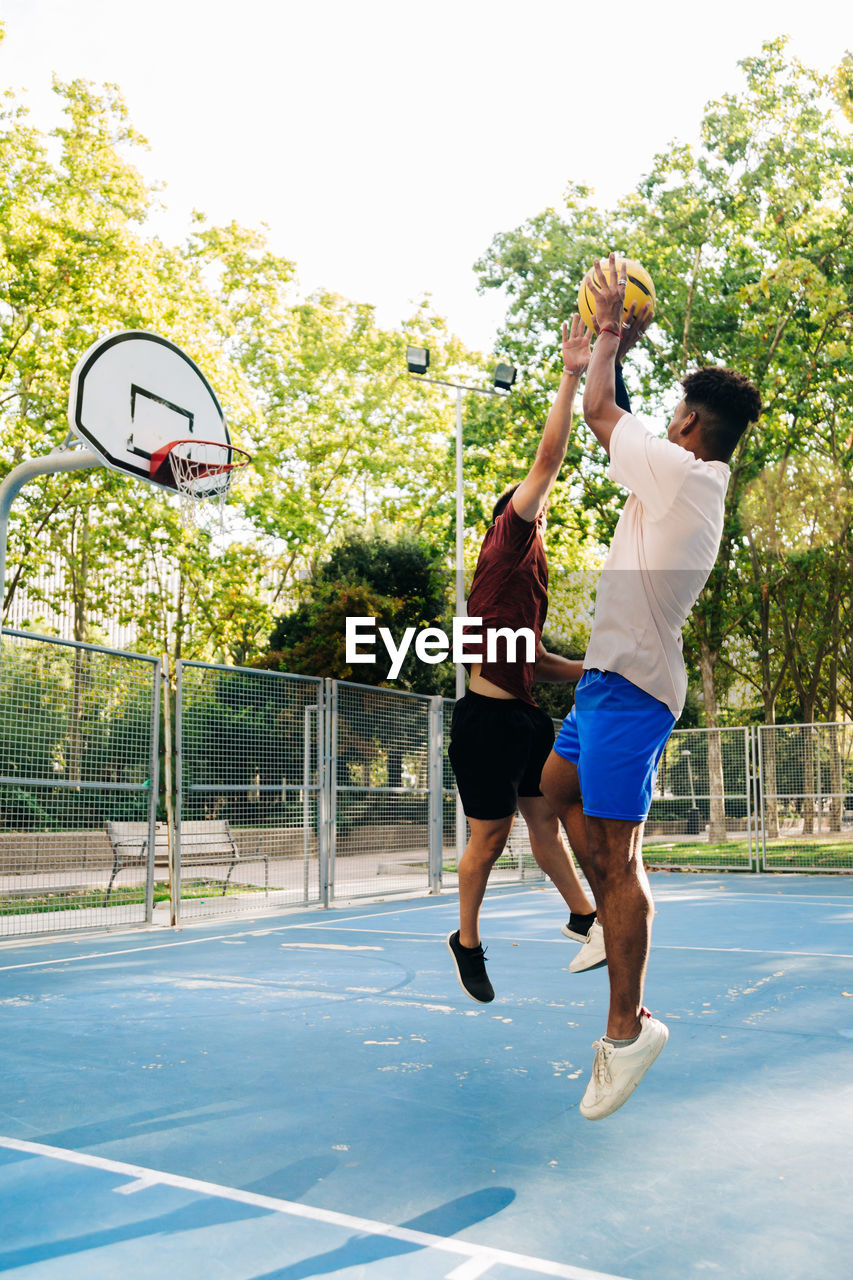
{"x":385,"y":143}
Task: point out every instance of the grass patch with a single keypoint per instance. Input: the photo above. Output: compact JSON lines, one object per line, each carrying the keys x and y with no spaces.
{"x":733,"y":853}
{"x":809,"y":854}
{"x":21,"y":904}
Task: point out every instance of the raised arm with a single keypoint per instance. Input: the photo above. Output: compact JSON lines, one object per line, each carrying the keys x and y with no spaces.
{"x":530,"y":496}
{"x":601,"y":408}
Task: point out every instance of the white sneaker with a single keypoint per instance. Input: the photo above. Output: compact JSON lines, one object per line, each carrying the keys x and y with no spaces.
{"x":617,"y":1072}
{"x":592,"y":954}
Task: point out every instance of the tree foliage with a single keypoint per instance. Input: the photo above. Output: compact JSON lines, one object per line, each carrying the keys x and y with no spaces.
{"x":400,"y":582}
{"x":314,"y":387}
{"x":747,"y":232}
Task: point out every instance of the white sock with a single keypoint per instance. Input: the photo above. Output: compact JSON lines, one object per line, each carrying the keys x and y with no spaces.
{"x":620,"y":1044}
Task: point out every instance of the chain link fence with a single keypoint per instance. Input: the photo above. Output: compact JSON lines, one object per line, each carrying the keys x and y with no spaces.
{"x":291,"y":790}
{"x":250,"y":789}
{"x":703,"y":808}
{"x":78,"y":758}
{"x":383,"y":773}
{"x":516,"y":864}
{"x":805,"y":780}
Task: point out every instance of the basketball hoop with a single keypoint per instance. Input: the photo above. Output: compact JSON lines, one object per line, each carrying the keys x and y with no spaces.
{"x":201,"y":472}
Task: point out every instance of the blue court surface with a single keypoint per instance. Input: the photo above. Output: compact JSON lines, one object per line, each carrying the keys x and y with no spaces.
{"x":311,"y":1094}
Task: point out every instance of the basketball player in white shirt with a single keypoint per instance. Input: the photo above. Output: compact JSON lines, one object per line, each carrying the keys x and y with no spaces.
{"x":600,"y":775}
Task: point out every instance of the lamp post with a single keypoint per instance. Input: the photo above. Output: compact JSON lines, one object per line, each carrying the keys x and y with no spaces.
{"x":417,"y":362}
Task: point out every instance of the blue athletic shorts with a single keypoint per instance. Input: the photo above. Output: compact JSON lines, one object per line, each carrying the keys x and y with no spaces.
{"x":615,"y":733}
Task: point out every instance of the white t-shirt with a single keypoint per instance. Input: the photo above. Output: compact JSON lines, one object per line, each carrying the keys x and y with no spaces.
{"x":663,"y":549}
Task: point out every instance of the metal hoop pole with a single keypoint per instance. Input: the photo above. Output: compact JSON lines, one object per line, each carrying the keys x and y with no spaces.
{"x":51,"y":464}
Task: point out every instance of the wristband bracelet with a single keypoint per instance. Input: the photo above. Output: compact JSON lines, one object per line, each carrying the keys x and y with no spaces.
{"x":615,"y":332}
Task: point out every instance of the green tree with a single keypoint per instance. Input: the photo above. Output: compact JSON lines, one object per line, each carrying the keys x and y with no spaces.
{"x":400,"y":582}
{"x":747,"y":233}
{"x":314,"y":387}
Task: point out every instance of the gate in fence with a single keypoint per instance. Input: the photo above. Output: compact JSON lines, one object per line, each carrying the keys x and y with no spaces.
{"x":384,"y":772}
{"x":79,"y":782}
{"x":250,"y":816}
{"x":290,"y":791}
{"x":805,"y":786}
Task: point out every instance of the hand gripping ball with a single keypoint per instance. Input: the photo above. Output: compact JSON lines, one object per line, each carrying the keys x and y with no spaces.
{"x":640,"y":289}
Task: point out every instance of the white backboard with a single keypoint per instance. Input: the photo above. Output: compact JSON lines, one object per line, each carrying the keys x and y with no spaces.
{"x":133,"y":392}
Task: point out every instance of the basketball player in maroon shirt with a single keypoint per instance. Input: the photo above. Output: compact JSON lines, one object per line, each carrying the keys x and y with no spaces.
{"x":500,"y":739}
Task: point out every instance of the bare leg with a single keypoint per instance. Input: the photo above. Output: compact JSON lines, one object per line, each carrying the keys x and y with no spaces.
{"x":487,"y":843}
{"x":561,"y":787}
{"x":551,"y":854}
{"x":622,"y":886}
{"x":611,"y":854}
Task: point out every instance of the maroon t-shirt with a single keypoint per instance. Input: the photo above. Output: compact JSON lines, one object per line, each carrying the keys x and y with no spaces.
{"x":510,"y":589}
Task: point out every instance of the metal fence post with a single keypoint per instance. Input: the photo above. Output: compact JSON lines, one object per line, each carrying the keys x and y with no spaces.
{"x":436,"y":796}
{"x":750,"y":784}
{"x":175,"y":843}
{"x":747,"y":762}
{"x":307,"y":739}
{"x":818,"y":780}
{"x":329,"y":791}
{"x":761,"y":801}
{"x":154,"y":793}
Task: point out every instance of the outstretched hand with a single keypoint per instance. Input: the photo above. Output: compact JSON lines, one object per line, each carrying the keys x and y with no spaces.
{"x":633,"y":329}
{"x":610,"y":292}
{"x":576,"y":350}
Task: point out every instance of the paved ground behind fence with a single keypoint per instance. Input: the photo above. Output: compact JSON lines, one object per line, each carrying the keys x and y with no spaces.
{"x":312,"y":1095}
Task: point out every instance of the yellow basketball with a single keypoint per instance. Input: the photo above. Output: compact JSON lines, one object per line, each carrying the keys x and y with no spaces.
{"x":640,"y":289}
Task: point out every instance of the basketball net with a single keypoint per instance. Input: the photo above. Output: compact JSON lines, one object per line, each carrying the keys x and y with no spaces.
{"x":202,"y":473}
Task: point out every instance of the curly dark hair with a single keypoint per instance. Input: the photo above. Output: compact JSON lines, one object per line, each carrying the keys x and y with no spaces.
{"x":726,"y":402}
{"x":502,"y":503}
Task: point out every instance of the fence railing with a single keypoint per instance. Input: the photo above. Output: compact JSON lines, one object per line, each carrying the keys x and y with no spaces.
{"x":291,"y":790}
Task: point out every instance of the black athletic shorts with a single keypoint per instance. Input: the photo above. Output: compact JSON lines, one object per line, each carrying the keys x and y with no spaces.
{"x":498,"y":748}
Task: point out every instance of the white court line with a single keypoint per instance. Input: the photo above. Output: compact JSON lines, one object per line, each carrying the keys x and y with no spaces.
{"x":130,"y":951}
{"x":446,"y":901}
{"x":130,"y":1188}
{"x":327,"y":946}
{"x":223,"y":937}
{"x":470,"y":1270}
{"x":756,"y":951}
{"x":562,"y":942}
{"x":333,"y":924}
{"x":387,"y":933}
{"x":364,"y":1226}
{"x":739,"y":895}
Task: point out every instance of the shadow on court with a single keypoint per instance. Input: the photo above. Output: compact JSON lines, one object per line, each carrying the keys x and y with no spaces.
{"x":445,"y":1221}
{"x":201,"y":1215}
{"x":144,"y":1124}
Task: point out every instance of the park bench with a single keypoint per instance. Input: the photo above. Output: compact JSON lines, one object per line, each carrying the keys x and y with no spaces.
{"x":203,"y":844}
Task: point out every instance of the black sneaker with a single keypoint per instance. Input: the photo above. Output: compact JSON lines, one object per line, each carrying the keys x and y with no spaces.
{"x":471,"y":969}
{"x":578,"y":926}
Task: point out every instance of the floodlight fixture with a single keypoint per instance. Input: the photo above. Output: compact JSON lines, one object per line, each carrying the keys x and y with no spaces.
{"x":505,"y":376}
{"x":417,"y":359}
